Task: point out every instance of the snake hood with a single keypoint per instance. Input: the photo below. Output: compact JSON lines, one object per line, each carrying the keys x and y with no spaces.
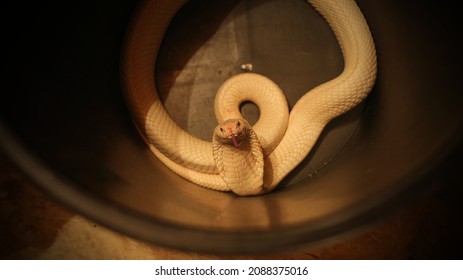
{"x":235,"y":139}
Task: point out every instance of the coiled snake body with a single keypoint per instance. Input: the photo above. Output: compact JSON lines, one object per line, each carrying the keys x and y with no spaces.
{"x":245,"y":160}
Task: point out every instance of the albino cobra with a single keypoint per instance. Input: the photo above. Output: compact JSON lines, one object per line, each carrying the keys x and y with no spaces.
{"x":248,"y":171}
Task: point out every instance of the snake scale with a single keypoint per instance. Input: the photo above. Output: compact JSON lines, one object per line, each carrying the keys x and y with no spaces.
{"x":245,"y":160}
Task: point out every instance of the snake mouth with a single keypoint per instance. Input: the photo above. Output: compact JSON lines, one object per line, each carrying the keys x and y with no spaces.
{"x":234,"y":139}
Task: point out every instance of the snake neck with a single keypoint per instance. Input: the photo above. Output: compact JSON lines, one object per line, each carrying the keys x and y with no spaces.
{"x":242,"y":168}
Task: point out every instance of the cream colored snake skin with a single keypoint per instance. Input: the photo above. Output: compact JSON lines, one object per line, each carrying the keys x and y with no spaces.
{"x":192,"y":157}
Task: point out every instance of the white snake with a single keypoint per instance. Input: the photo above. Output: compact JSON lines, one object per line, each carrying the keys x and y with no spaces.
{"x":248,"y":171}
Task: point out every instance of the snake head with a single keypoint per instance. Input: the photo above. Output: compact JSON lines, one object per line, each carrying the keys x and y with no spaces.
{"x":232,"y":132}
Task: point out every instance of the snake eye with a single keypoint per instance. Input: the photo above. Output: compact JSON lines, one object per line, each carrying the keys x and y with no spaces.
{"x":238,"y":124}
{"x":221,"y":129}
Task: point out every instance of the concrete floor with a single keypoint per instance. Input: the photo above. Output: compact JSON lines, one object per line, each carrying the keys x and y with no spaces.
{"x":33,"y":226}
